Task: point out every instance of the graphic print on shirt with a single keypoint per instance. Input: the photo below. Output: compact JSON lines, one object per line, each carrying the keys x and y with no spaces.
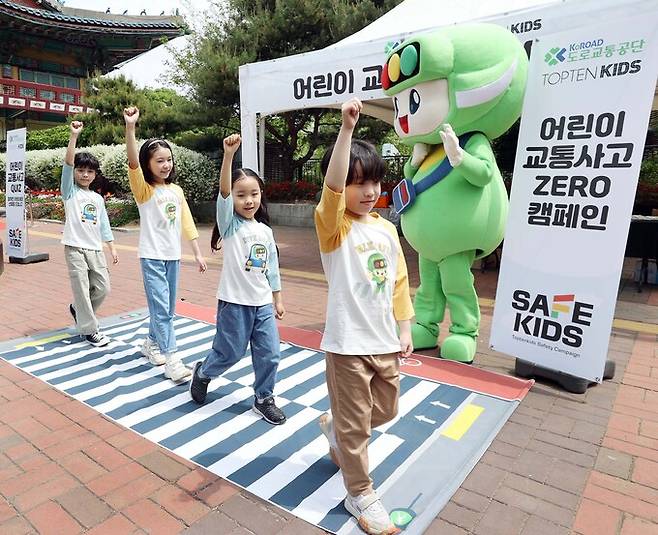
{"x":170,"y":213}
{"x":257,"y":258}
{"x":89,"y":213}
{"x":375,"y":260}
{"x":377,"y":268}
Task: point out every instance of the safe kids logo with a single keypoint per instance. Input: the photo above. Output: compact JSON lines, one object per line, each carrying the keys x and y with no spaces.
{"x":557,"y":318}
{"x":15,"y":237}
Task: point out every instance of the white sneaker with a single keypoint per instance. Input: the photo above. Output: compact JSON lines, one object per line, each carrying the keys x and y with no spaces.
{"x":176,"y":370}
{"x":327,"y":427}
{"x":370,"y":513}
{"x":152,"y":352}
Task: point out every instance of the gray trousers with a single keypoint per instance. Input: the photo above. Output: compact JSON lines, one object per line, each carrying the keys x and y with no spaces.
{"x":90,"y":282}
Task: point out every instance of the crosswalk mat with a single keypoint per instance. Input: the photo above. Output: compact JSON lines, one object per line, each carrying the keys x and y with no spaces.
{"x":448,"y":415}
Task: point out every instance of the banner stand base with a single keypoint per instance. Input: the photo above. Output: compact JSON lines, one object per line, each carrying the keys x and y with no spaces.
{"x":570,"y":383}
{"x":29,"y":259}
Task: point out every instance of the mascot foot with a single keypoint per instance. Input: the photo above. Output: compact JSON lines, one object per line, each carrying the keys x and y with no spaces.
{"x":423,"y":337}
{"x":459,"y":347}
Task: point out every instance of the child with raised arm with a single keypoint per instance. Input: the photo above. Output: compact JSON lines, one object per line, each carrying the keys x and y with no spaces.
{"x":249,"y":294}
{"x":368,"y":292}
{"x":164,"y":216}
{"x":85,"y":229}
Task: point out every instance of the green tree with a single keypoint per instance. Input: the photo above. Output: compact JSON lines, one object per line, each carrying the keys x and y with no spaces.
{"x":247,"y":31}
{"x":164,"y":113}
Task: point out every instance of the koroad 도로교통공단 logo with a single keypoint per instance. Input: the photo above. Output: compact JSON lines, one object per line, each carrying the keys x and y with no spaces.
{"x":593,"y":49}
{"x":544,"y":320}
{"x":555,"y":55}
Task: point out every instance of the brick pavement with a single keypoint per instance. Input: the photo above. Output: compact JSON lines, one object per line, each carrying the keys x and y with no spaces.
{"x":563,"y":463}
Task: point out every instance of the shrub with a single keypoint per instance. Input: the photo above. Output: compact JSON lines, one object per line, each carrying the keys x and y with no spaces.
{"x":121,"y":212}
{"x":50,"y":138}
{"x":649,"y":171}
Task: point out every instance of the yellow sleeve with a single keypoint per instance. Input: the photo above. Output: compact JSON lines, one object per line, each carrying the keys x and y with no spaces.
{"x":403,"y":309}
{"x":187,"y":222}
{"x":142,"y":190}
{"x":331,"y":224}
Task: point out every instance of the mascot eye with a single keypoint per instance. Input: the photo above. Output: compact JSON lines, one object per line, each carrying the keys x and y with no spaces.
{"x":414,"y":101}
{"x":395,"y":104}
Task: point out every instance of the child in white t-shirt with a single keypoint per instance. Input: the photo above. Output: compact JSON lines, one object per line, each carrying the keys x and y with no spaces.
{"x":164,"y":217}
{"x":368,"y":293}
{"x":249,"y":284}
{"x":85,"y":229}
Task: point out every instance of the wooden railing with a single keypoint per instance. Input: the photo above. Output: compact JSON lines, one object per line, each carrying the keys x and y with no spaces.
{"x":18,"y":94}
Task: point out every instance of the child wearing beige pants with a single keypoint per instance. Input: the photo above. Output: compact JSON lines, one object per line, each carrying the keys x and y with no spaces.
{"x":368,"y":294}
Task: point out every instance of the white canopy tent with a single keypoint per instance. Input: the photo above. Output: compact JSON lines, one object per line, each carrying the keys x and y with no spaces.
{"x":326,"y":78}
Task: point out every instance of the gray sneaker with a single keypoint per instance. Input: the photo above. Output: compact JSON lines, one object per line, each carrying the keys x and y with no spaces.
{"x":152,"y":352}
{"x":269,"y":411}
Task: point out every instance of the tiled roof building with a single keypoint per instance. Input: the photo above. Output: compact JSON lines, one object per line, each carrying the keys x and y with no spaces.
{"x":48,"y":50}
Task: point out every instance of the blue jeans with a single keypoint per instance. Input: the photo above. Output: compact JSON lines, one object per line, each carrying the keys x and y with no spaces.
{"x":237,"y":325}
{"x":160,"y":284}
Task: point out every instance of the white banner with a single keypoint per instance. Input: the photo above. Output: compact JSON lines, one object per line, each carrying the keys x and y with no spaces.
{"x":15,"y":194}
{"x":580,"y":147}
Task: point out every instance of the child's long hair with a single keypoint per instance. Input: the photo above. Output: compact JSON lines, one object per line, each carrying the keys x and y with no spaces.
{"x":261,"y":214}
{"x":100,"y":184}
{"x":146,"y":151}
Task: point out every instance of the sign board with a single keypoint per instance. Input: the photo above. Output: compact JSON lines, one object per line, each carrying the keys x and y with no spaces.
{"x":581,"y":141}
{"x":15,"y":194}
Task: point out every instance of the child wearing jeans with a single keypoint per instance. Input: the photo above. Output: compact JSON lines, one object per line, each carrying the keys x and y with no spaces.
{"x":368,"y":292}
{"x":163,"y":217}
{"x":85,"y":229}
{"x":249,"y":295}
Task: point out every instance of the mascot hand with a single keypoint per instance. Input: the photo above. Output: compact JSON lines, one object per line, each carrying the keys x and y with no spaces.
{"x":418,"y":155}
{"x":454,"y":152}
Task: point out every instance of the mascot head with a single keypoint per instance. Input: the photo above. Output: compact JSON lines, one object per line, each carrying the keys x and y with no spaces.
{"x":471,"y":76}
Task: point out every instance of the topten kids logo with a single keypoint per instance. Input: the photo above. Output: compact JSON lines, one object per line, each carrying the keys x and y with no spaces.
{"x":559,"y":319}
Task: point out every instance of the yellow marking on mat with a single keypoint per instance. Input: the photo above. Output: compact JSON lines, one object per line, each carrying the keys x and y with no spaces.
{"x":462,"y":422}
{"x":42,"y":341}
{"x":561,"y":308}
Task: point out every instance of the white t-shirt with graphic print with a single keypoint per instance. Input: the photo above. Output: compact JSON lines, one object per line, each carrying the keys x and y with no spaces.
{"x":367,"y":276}
{"x":87,"y":225}
{"x":163,"y":216}
{"x":251,"y":265}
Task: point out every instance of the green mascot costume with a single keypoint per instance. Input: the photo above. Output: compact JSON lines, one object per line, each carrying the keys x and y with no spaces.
{"x":453,"y":91}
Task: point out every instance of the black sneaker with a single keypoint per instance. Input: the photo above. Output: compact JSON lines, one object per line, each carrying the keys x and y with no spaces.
{"x":269,"y":411}
{"x":97,"y":339}
{"x":72,"y":311}
{"x":198,"y":387}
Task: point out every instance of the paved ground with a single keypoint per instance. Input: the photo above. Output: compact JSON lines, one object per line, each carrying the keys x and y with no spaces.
{"x":564,"y":463}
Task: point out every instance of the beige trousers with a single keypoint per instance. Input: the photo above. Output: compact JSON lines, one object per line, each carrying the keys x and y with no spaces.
{"x":90,"y":282}
{"x":363,"y":392}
